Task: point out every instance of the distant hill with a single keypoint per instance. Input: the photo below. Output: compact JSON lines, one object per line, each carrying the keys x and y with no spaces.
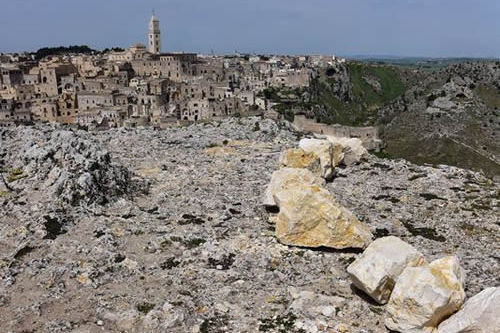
{"x":418,"y":62}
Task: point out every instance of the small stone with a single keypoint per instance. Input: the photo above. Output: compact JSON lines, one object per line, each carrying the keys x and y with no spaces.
{"x":480,"y":314}
{"x":424,"y":296}
{"x":377,"y":269}
{"x":328,"y":311}
{"x":129,"y":263}
{"x":341,"y":328}
{"x":83,"y":279}
{"x":312,"y":305}
{"x":100,"y":323}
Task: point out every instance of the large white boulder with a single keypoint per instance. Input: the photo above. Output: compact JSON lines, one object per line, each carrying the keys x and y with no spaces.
{"x":480,"y":314}
{"x":377,"y":269}
{"x":285,"y":176}
{"x":309,"y":216}
{"x":424,"y":296}
{"x":354,"y":152}
{"x":330,"y":155}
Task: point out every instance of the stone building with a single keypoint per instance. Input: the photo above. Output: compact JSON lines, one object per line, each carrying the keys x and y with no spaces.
{"x":45,"y":109}
{"x":194,"y":109}
{"x":66,"y":108}
{"x":174,"y":66}
{"x":135,"y":52}
{"x":91,"y":100}
{"x":6,"y":112}
{"x":11,"y":76}
{"x":50,"y":77}
{"x":102,"y":117}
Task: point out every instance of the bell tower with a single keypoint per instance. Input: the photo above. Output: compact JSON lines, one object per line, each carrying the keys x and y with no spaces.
{"x":154,"y":44}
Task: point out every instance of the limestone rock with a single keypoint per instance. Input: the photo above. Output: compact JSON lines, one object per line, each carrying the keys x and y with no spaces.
{"x":3,"y":185}
{"x":330,"y":155}
{"x":354,"y":151}
{"x":298,"y":158}
{"x":313,"y":305}
{"x":125,"y":321}
{"x":163,"y":319}
{"x":480,"y":314}
{"x":424,"y":296}
{"x":285,"y":176}
{"x":310,"y":216}
{"x":377,"y":269}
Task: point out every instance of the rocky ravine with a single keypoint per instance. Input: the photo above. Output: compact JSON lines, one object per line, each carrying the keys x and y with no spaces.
{"x":147,"y":231}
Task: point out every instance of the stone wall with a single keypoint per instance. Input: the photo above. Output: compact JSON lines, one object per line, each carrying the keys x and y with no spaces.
{"x":369,"y":135}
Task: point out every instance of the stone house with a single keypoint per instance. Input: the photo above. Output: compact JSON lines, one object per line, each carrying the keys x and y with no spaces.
{"x":11,"y":76}
{"x":50,"y":77}
{"x":91,"y":100}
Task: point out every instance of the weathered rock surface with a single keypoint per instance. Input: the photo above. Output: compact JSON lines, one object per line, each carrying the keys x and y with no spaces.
{"x":377,"y":269}
{"x":196,"y":253}
{"x":318,"y":310}
{"x":283,"y":177}
{"x":330,"y":155}
{"x":424,"y":296}
{"x":480,"y":314}
{"x":353,"y":151}
{"x":298,"y":158}
{"x":309,"y":216}
{"x":62,"y":166}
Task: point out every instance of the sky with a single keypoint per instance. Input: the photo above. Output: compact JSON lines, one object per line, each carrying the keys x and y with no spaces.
{"x":430,"y":28}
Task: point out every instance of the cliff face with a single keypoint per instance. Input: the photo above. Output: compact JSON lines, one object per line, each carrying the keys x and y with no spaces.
{"x":445,"y":116}
{"x":141,"y":230}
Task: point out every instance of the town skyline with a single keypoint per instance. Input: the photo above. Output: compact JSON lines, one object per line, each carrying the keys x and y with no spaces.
{"x":451,"y":29}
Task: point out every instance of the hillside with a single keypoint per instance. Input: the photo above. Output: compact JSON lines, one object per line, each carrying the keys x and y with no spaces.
{"x":449,"y":115}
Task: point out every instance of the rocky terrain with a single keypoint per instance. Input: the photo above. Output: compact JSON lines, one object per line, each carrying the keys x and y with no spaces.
{"x":137,"y":230}
{"x":448,"y":115}
{"x":451,"y":116}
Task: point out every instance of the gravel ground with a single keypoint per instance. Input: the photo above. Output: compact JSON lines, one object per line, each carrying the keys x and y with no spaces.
{"x":163,"y":231}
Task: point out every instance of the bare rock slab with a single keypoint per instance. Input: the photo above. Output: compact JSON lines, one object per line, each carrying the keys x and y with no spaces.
{"x":309,"y":216}
{"x":480,"y":314}
{"x":424,"y":296}
{"x":377,"y":269}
